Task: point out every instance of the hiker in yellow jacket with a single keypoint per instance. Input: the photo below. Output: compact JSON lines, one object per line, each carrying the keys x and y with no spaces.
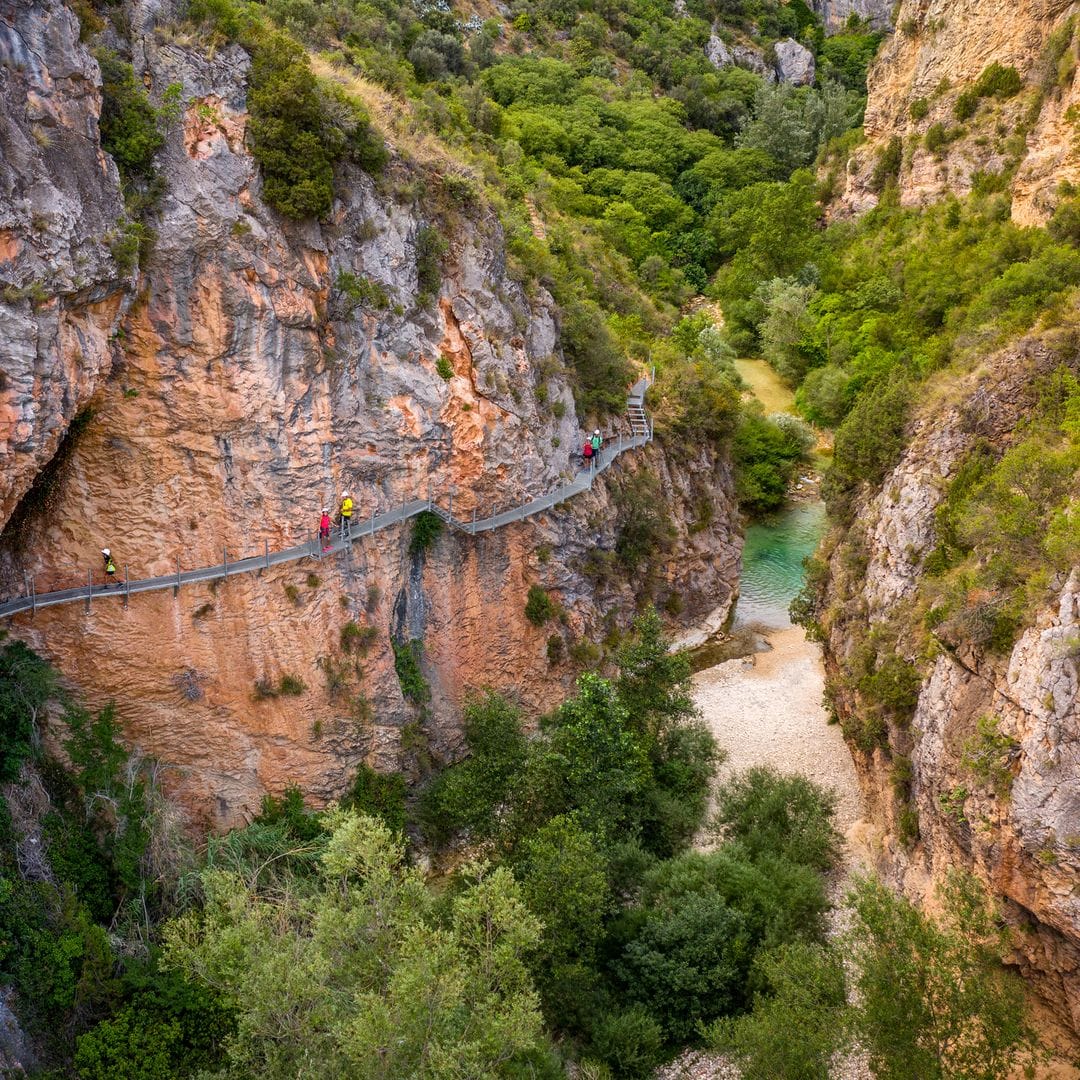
{"x":346,"y":514}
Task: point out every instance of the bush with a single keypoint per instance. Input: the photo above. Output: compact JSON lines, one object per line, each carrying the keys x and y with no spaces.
{"x":799,"y":1021}
{"x":539,"y":607}
{"x":444,"y":368}
{"x":361,"y":291}
{"x":355,"y":636}
{"x":431,"y":246}
{"x":933,"y":1000}
{"x":379,"y":795}
{"x":291,"y":686}
{"x":996,"y":80}
{"x":407,"y":656}
{"x":887,"y":166}
{"x":643,"y":522}
{"x":468,"y":797}
{"x":772,"y":814}
{"x":919,"y":109}
{"x":779,"y":900}
{"x":630,"y":1042}
{"x":687,"y":963}
{"x":766,"y":456}
{"x":868,"y":443}
{"x":128,"y":123}
{"x":26,"y":684}
{"x":426,"y":530}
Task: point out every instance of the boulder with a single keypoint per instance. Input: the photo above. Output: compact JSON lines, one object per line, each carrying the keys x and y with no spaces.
{"x":794,"y":63}
{"x":752,"y":60}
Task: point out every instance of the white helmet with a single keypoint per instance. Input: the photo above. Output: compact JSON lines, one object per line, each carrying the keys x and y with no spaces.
{"x":596,"y":432}
{"x":326,"y":509}
{"x":106,"y":552}
{"x":344,"y":494}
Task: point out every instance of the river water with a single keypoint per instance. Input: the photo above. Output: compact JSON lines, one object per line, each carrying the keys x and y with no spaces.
{"x":772,"y":570}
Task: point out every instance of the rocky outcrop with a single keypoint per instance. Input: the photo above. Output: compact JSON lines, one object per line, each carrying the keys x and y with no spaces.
{"x":261,"y":367}
{"x":746,"y":56}
{"x":1019,"y":830}
{"x":938,"y":53}
{"x":717,"y":53}
{"x":794,"y":63}
{"x":836,"y":13}
{"x":60,"y":289}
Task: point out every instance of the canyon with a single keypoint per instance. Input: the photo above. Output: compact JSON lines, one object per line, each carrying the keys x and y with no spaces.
{"x":216,"y":397}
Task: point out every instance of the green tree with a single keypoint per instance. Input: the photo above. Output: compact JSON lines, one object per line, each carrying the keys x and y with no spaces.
{"x":786,"y":322}
{"x":933,"y":998}
{"x":128,"y":1047}
{"x":654,"y":684}
{"x":470,"y":796}
{"x":798,"y":1023}
{"x":358,"y":976}
{"x":563,"y":881}
{"x":789,"y":816}
{"x":26,"y":683}
{"x":687,"y":963}
{"x":603,"y":766}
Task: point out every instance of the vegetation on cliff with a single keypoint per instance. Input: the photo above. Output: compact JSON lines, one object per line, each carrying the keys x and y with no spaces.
{"x":572,"y":922}
{"x":605,"y":140}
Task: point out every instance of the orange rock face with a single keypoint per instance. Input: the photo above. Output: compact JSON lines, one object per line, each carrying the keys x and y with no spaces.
{"x":261,"y":368}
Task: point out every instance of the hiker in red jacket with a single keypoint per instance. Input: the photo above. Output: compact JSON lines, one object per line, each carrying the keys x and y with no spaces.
{"x":324,"y":528}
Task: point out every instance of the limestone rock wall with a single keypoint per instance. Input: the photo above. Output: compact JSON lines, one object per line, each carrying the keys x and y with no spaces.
{"x":60,"y":290}
{"x":938,"y":50}
{"x":835,"y":13}
{"x":240,"y":386}
{"x":1022,"y":839}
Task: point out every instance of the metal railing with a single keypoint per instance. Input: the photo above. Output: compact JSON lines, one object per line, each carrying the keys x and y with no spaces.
{"x":357,"y":530}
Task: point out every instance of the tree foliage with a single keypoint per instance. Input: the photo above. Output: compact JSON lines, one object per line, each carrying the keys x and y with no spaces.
{"x":357,"y":975}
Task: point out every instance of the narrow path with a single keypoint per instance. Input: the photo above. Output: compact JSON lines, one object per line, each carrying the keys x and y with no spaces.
{"x":641,"y":432}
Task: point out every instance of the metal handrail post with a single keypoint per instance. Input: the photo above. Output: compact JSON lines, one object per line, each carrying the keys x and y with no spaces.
{"x":178,"y":573}
{"x":33,"y":596}
{"x":225,"y":559}
{"x":89,"y":589}
{"x":373,"y":520}
{"x":266,"y":551}
{"x":127,"y":587}
{"x":474,"y":521}
{"x":450,"y":511}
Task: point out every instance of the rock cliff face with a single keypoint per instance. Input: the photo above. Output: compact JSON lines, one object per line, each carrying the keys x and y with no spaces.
{"x":255,"y":370}
{"x":60,"y":290}
{"x":1020,"y":830}
{"x":939,"y":50}
{"x":835,"y":13}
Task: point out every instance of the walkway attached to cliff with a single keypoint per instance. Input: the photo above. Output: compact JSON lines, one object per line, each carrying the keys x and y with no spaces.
{"x":641,"y":432}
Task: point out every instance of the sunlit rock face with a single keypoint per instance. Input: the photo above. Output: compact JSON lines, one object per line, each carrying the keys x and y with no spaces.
{"x":937,"y":52}
{"x":1021,"y":834}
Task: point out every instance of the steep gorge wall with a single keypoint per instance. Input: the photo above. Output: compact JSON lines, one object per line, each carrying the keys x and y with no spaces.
{"x":1021,"y":836}
{"x":938,"y":50}
{"x":234,"y":390}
